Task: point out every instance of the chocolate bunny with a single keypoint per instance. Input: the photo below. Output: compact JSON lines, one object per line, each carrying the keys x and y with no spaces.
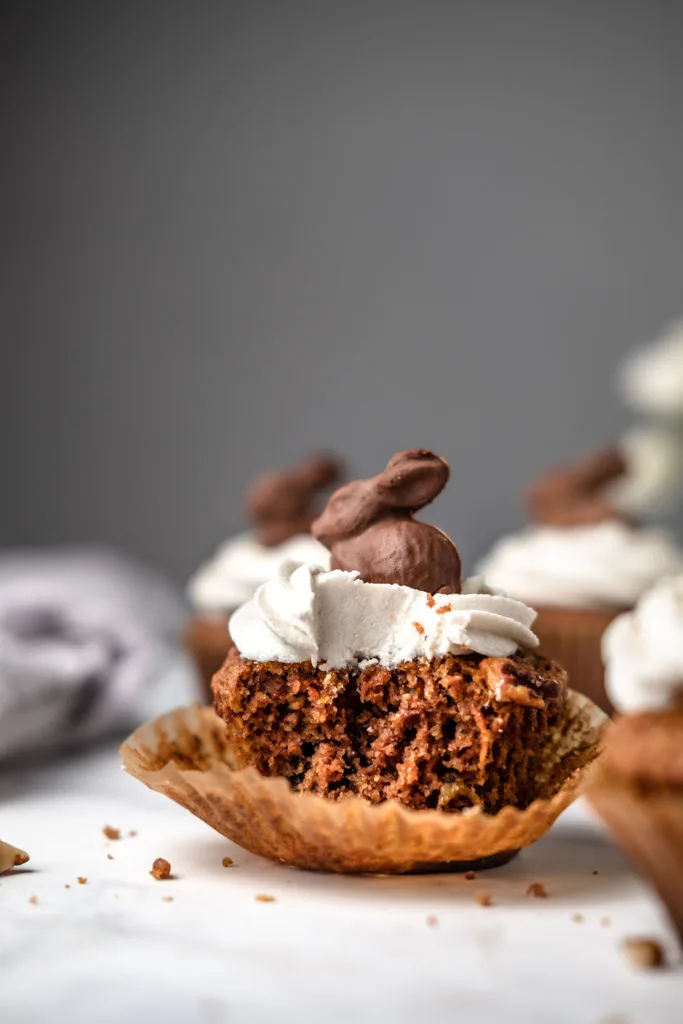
{"x":281,"y":504}
{"x":574,"y":495}
{"x":368,"y":525}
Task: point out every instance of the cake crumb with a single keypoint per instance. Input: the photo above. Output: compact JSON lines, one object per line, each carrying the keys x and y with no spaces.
{"x":432,"y":921}
{"x":419,"y":627}
{"x":643,"y":953}
{"x":110,"y":856}
{"x":596,"y":872}
{"x":605,"y":922}
{"x":33,"y":900}
{"x":111,"y":832}
{"x":227,"y":862}
{"x":444,"y":609}
{"x":470,"y":876}
{"x":82,"y":880}
{"x":161,"y":869}
{"x":577,"y":918}
{"x":430,"y":601}
{"x":537,"y":889}
{"x":483,"y":899}
{"x":66,"y":885}
{"x":263,"y":897}
{"x":132,"y":832}
{"x":167,"y":899}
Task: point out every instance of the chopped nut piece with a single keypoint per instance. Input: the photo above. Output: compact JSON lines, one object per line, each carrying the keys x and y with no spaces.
{"x":643,"y":953}
{"x":430,"y":601}
{"x":432,"y":921}
{"x":11,"y":857}
{"x":538,"y":890}
{"x":227,"y":862}
{"x":483,"y":899}
{"x":470,"y":876}
{"x":33,"y":900}
{"x":419,"y":627}
{"x":82,"y":880}
{"x":444,"y":609}
{"x":111,"y":832}
{"x":577,"y":918}
{"x":263,"y":897}
{"x":161,"y":869}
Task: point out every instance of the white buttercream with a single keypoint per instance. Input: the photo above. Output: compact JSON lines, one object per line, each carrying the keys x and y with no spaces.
{"x":651,"y":379}
{"x":336,"y":620}
{"x":643,"y":650}
{"x":605,"y":565}
{"x":653,"y":480}
{"x":241,"y":565}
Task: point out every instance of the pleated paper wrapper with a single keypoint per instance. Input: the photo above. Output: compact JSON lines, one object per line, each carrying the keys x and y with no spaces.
{"x":648,"y":825}
{"x":185,"y":756}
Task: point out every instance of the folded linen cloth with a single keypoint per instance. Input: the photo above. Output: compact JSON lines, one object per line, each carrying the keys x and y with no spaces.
{"x":85,"y":635}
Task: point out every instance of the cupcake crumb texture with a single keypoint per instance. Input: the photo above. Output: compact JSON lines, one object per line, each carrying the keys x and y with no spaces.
{"x":643,"y":954}
{"x":161,"y":869}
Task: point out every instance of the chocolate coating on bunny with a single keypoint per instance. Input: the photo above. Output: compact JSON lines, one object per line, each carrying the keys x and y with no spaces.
{"x":573,"y":495}
{"x":282,"y":503}
{"x":368,"y":526}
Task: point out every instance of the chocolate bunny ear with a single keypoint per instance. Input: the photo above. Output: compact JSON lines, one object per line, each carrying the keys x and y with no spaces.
{"x":350,"y":510}
{"x":318,"y":471}
{"x":412,"y":479}
{"x":571,"y":495}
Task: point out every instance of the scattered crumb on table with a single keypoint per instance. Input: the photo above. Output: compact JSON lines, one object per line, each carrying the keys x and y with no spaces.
{"x":470,"y":876}
{"x":263,"y":897}
{"x":605,"y":922}
{"x":82,"y":880}
{"x":132,"y":832}
{"x":577,"y":918}
{"x":483,"y":899}
{"x":227,"y":862}
{"x":596,"y":872}
{"x":432,"y":921}
{"x":538,"y":890}
{"x":167,"y":899}
{"x":643,"y":953}
{"x":161,"y":869}
{"x":33,"y":900}
{"x":110,"y":856}
{"x":111,"y":832}
{"x":66,"y":885}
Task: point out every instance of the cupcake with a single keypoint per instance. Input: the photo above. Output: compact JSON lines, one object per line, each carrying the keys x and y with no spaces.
{"x":584,"y":560}
{"x":382,"y":715}
{"x":637,"y":785}
{"x":281,"y":506}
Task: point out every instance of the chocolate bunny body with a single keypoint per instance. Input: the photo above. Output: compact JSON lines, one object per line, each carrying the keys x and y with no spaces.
{"x":281,"y":504}
{"x":574,"y":495}
{"x":368,"y":526}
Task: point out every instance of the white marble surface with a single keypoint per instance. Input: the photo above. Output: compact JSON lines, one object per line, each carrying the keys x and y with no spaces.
{"x":329,"y":949}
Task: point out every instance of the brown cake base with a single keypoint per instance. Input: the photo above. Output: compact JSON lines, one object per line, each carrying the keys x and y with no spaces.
{"x":207,"y":640}
{"x":572,"y":637}
{"x":448,"y":734}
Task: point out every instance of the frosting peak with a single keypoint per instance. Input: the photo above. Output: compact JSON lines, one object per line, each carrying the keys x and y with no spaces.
{"x":339,"y":621}
{"x":643,"y":651}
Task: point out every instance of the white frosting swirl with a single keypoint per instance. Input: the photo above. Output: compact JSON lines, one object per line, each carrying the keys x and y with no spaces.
{"x":643,"y":650}
{"x":241,"y":565}
{"x":653,"y":481}
{"x":651,"y":379}
{"x":600,"y":566}
{"x":336,"y":620}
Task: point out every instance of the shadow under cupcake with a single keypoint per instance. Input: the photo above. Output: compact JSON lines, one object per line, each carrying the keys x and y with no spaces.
{"x":383,"y":716}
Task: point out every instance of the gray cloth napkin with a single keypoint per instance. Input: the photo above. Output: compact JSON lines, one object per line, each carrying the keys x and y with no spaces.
{"x":85,"y":635}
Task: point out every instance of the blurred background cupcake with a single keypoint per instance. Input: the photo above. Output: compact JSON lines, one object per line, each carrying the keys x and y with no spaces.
{"x":585,"y":559}
{"x":637,"y":785}
{"x":281,"y":506}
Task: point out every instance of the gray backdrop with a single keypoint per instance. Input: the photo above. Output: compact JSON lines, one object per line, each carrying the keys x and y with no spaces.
{"x":235,"y":231}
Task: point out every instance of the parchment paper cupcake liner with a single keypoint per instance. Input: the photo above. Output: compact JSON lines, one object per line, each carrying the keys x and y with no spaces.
{"x":648,"y":826}
{"x":572,"y":637}
{"x":185,"y":756}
